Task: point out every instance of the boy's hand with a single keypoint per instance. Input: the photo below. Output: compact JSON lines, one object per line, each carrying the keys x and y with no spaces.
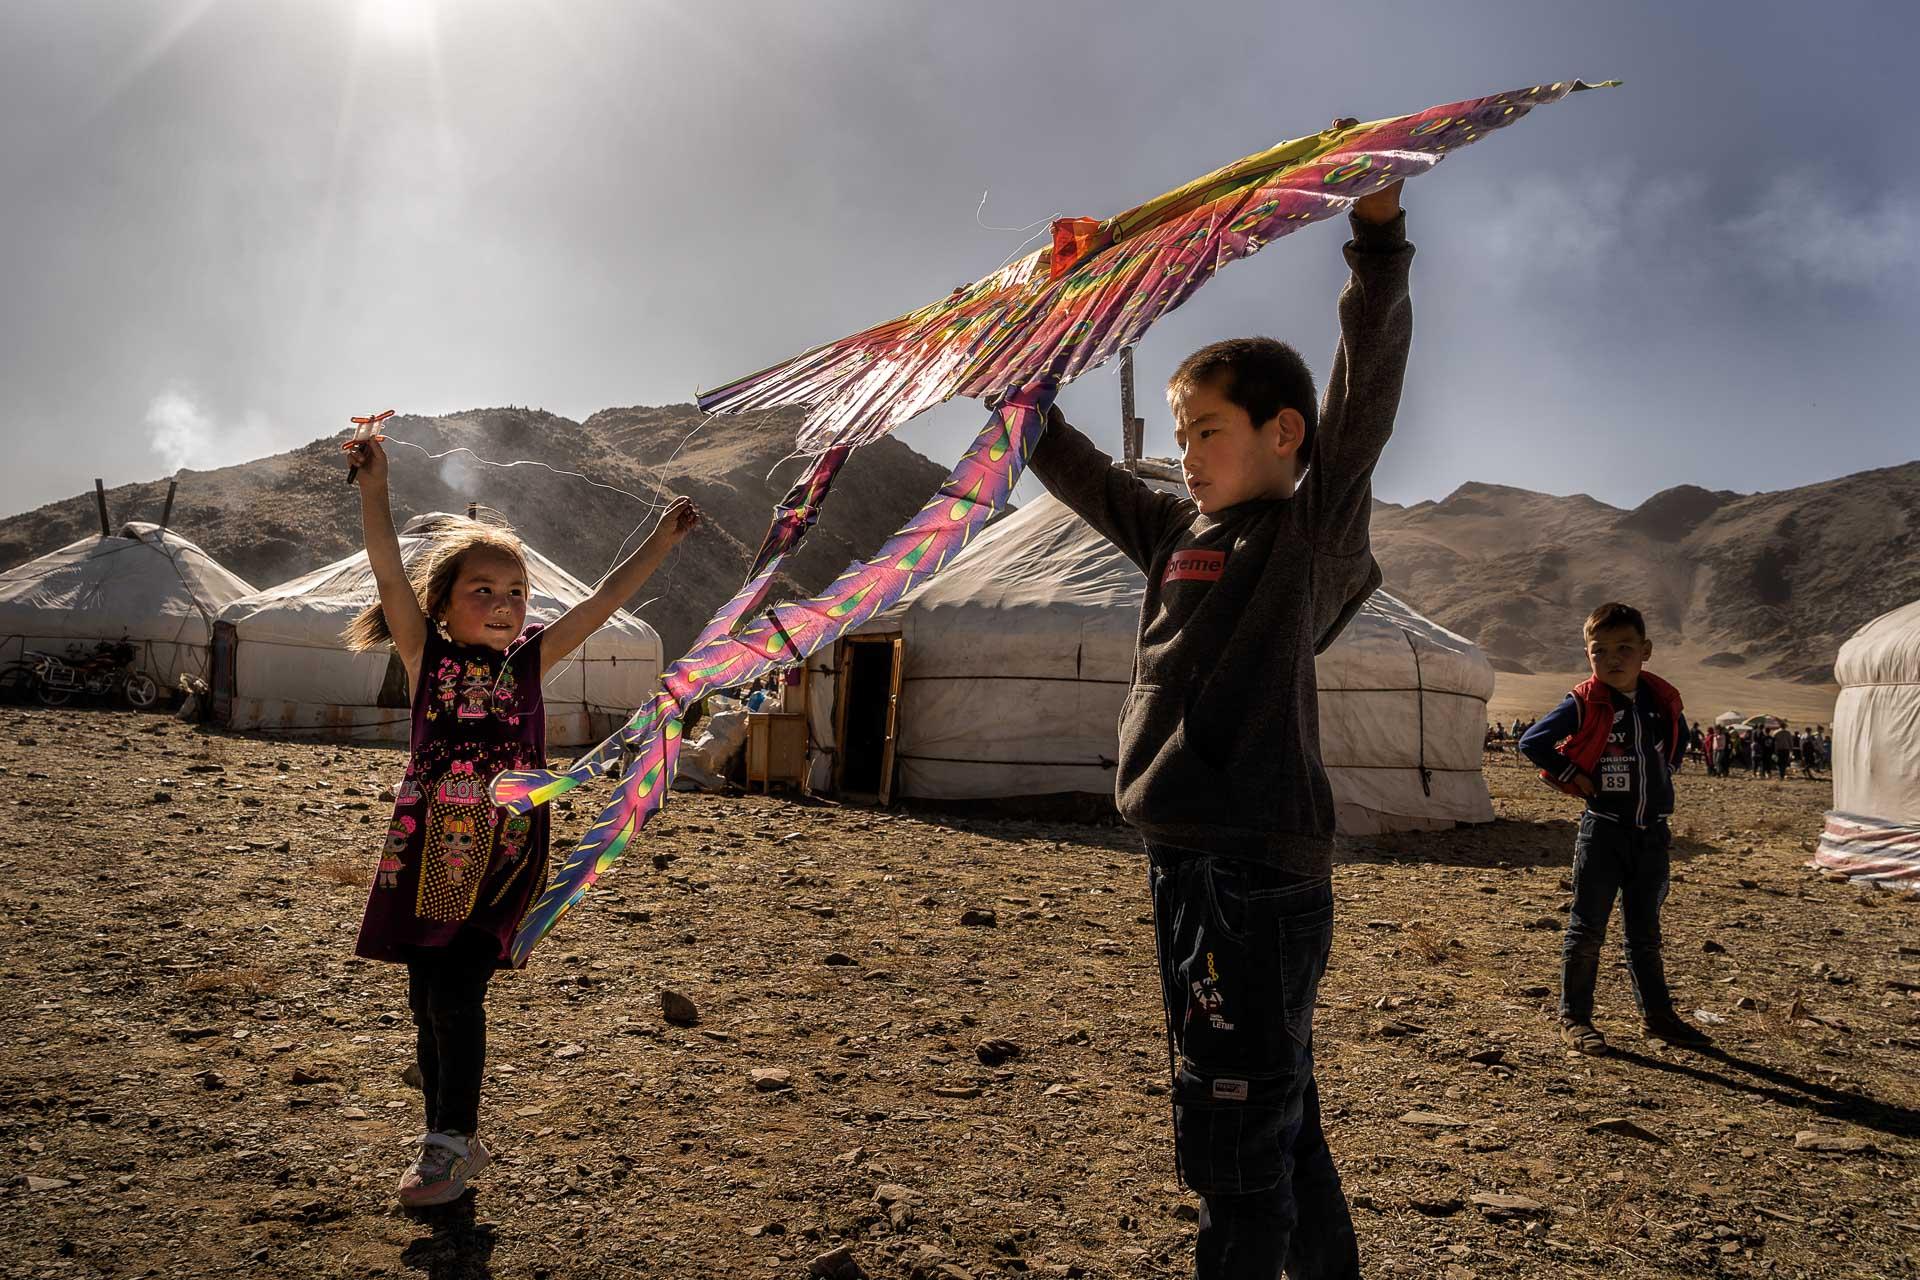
{"x":1384,"y":204}
{"x":679,"y":519}
{"x":369,"y":457}
{"x":1585,"y":784}
{"x":1381,"y":206}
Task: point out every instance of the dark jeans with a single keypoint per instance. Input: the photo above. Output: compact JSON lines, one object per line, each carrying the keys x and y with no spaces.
{"x":447,"y":991}
{"x":1616,"y":860}
{"x":1242,"y":948}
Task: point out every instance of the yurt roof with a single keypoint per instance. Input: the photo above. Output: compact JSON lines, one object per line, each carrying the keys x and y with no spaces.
{"x":143,"y":581}
{"x":1886,"y":651}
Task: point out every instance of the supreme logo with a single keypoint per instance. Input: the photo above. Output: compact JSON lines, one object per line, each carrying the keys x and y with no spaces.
{"x":1195,"y":566}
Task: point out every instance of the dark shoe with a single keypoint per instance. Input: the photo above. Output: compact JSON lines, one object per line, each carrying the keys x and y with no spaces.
{"x":1581,"y":1037}
{"x":1674,"y":1029}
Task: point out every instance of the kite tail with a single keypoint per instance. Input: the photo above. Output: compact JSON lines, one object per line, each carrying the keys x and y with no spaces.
{"x":521,"y":791}
{"x":977,"y":487}
{"x":640,"y":794}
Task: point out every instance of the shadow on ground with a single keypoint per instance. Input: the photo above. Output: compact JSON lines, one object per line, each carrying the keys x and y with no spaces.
{"x":459,"y":1246}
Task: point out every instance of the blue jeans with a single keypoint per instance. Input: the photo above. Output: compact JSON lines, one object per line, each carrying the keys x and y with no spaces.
{"x":1242,"y":948}
{"x":1616,"y":860}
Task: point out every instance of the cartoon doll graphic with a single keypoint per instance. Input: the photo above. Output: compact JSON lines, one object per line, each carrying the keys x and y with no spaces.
{"x":397,"y":837}
{"x":445,"y":677}
{"x":475,"y":691}
{"x":513,"y":836}
{"x":459,"y":843}
{"x":457,"y":839}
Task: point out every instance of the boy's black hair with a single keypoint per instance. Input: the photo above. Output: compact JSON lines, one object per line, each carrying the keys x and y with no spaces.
{"x":1614,"y":614}
{"x":1261,"y":375}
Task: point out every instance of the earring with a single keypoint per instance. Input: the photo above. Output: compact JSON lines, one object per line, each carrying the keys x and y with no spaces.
{"x":440,"y":625}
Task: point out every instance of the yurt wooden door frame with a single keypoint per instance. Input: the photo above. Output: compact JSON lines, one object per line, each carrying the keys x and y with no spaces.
{"x":867,"y":697}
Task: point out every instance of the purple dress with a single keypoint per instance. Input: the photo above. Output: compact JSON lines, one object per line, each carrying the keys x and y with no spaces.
{"x":454,"y":862}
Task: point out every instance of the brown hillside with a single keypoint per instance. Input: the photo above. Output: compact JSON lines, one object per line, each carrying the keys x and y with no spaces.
{"x":274,"y":518}
{"x":1762,"y":585}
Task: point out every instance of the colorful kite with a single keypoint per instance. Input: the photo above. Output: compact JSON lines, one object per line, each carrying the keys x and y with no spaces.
{"x":1068,"y":307}
{"x":1032,"y":325}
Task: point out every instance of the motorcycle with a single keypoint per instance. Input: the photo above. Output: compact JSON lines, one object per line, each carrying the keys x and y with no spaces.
{"x":105,"y":673}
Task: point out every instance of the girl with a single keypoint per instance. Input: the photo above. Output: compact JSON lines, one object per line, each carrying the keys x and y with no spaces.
{"x":455,"y":873}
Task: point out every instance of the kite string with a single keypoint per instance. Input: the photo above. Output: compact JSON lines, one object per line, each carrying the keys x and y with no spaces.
{"x":653,"y":505}
{"x":517,"y":462}
{"x":985,"y":226}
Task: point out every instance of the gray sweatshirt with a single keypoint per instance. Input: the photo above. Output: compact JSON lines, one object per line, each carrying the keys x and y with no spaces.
{"x":1220,"y":734}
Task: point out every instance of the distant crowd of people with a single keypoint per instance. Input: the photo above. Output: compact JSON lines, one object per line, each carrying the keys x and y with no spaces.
{"x":1771,"y":749}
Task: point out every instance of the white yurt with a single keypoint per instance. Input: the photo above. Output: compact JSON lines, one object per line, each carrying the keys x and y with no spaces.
{"x":1873,"y":831}
{"x":148,"y":585}
{"x":280,"y":666}
{"x":1004,"y":676}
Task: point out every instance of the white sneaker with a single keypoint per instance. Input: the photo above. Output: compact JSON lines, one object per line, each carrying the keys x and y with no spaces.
{"x":440,"y":1173}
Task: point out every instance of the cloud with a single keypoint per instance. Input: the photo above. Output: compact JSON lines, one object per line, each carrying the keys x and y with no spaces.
{"x":1581,"y":230}
{"x":183,"y":434}
{"x":1802,"y":231}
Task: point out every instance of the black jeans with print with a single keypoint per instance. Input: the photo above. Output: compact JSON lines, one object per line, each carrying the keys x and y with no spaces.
{"x":1242,"y":948}
{"x":1616,"y":860}
{"x":447,"y":991}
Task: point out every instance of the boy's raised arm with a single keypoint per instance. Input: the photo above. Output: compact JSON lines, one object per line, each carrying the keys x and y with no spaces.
{"x":1121,"y":507}
{"x":1369,"y":366}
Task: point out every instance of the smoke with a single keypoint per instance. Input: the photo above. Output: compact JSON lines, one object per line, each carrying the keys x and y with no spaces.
{"x":181,"y":433}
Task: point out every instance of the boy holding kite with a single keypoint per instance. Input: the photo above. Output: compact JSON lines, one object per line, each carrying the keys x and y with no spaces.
{"x":1247,"y":579}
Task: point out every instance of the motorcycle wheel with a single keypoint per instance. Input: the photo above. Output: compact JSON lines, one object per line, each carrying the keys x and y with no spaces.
{"x":142,"y":690}
{"x":52,"y":697}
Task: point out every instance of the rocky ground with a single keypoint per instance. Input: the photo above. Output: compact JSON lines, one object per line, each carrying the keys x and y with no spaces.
{"x":197,"y":1077}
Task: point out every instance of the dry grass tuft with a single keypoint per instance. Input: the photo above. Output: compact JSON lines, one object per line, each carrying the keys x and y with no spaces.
{"x":1427,"y":945}
{"x":343,"y":869}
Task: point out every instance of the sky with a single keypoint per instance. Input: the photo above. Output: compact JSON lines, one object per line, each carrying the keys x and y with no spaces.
{"x":226,"y":226}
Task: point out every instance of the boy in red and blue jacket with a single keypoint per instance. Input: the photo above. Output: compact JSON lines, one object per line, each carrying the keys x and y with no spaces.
{"x":1616,"y":740}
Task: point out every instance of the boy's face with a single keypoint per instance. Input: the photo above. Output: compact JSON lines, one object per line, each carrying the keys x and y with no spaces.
{"x":488,"y":605}
{"x":1617,"y":654}
{"x":1225,"y":459}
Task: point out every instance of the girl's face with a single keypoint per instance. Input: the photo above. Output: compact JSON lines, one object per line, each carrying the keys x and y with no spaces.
{"x":488,"y":605}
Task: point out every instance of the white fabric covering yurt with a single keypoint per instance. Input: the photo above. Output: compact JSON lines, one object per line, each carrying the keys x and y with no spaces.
{"x":1873,"y":830}
{"x":280,"y":665}
{"x":1016,"y":658}
{"x":148,"y":584}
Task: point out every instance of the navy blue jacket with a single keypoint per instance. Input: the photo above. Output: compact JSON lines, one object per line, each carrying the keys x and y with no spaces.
{"x":1634,"y":780}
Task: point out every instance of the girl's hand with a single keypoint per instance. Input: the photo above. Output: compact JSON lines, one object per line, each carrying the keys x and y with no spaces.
{"x":369,"y":457}
{"x":679,"y":519}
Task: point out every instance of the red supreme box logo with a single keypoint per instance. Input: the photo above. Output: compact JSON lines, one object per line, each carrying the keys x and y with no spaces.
{"x":1195,"y":566}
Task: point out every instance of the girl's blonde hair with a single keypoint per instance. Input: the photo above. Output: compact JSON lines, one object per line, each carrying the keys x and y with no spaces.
{"x":434,"y":571}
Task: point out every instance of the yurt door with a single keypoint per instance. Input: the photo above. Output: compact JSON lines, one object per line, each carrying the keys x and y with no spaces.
{"x":868,"y":716}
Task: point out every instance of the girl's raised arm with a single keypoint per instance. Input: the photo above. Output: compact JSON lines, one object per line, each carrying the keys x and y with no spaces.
{"x":572,"y":628}
{"x":405,"y":621}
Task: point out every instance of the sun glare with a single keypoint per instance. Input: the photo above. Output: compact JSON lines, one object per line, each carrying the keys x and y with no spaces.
{"x":399,"y":21}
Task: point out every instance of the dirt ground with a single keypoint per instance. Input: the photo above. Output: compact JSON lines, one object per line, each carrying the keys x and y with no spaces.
{"x":198,"y":1078}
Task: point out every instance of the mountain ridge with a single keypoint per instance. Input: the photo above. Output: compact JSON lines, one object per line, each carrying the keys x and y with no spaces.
{"x":1765,"y":584}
